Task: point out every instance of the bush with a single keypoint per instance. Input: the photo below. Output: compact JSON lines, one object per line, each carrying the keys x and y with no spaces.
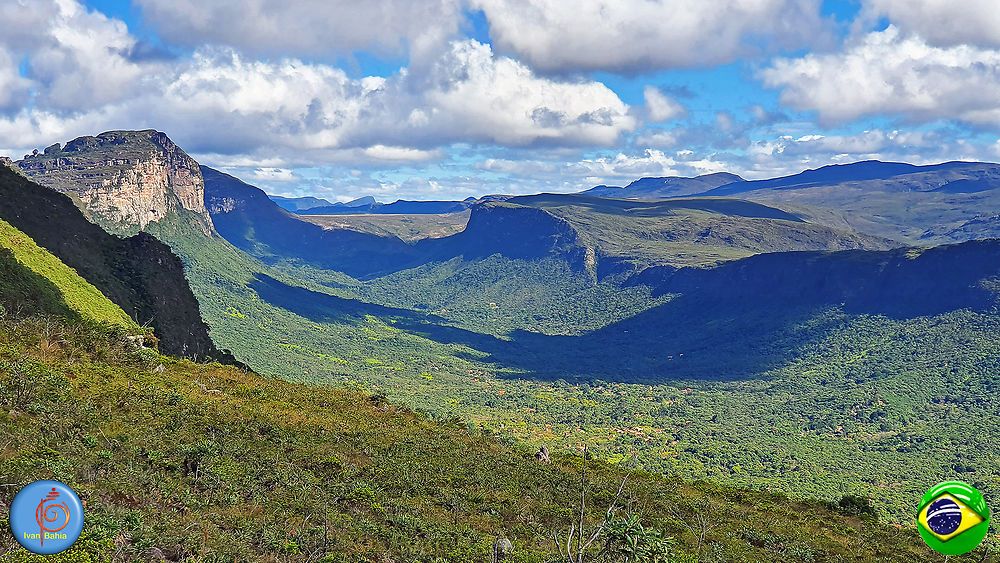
{"x":21,"y":382}
{"x":855,"y":505}
{"x":628,"y":541}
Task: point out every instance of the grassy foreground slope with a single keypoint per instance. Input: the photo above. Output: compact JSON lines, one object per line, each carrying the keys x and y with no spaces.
{"x":767,"y":387}
{"x":208,"y":463}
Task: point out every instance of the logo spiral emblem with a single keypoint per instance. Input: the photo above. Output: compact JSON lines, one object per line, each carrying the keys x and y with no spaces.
{"x":54,"y":512}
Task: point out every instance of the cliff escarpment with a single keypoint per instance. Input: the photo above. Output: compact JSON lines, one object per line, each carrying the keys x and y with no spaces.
{"x":514,"y":231}
{"x":901,"y":282}
{"x":139,"y":273}
{"x":124,"y":179}
{"x":250,"y":221}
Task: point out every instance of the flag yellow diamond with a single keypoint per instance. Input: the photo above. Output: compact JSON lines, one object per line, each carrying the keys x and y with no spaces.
{"x":947,"y":516}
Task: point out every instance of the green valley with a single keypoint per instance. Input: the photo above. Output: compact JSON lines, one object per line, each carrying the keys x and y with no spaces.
{"x":707,"y":337}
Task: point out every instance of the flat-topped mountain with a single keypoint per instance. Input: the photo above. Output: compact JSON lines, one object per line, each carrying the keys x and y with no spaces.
{"x":933,"y":204}
{"x":695,"y":231}
{"x":590,"y":232}
{"x":125,"y":179}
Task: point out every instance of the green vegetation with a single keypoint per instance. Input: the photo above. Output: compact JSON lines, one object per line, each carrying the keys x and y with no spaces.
{"x":813,"y":402}
{"x":697,"y":387}
{"x":73,"y":292}
{"x":836,"y":376}
{"x":139,"y":273}
{"x":937,"y":204}
{"x":208,"y":463}
{"x":691,"y":231}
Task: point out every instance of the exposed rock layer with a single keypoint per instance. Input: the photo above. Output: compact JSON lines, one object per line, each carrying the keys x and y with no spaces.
{"x":125,"y":179}
{"x":139,"y":273}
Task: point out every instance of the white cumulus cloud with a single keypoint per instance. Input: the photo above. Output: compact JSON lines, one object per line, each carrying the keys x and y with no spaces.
{"x":942,"y":22}
{"x":305,"y":27}
{"x":642,"y":35}
{"x":890,"y":72}
{"x":659,"y":106}
{"x":82,"y":78}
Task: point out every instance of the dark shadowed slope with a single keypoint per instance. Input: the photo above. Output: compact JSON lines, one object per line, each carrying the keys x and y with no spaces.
{"x":747,"y":316}
{"x":247,"y":218}
{"x":139,"y":273}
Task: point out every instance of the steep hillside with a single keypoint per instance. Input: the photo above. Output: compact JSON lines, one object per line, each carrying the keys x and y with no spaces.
{"x":900,"y":282}
{"x":251,"y":221}
{"x":935,"y":204}
{"x":777,"y":373}
{"x":181,"y":461}
{"x":125,"y":179}
{"x":33,"y":281}
{"x":139,"y":274}
{"x":661,"y":188}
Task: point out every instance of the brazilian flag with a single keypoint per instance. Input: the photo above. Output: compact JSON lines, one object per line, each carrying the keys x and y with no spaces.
{"x":953,"y":518}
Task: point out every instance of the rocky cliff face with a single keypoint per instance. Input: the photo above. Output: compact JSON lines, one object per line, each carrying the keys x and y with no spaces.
{"x":514,"y":231}
{"x":138,"y":273}
{"x":125,"y":179}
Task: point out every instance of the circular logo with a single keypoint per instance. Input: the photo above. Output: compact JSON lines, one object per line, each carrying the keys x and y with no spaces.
{"x":953,"y":518}
{"x":46,"y":517}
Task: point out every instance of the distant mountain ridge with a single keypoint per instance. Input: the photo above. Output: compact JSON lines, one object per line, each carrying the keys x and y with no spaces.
{"x":933,"y":204}
{"x":295,"y":204}
{"x":368,"y":205}
{"x":954,"y":176}
{"x":660,"y":188}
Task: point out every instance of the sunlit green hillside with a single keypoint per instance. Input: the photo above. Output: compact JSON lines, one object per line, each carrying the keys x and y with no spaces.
{"x":208,"y":463}
{"x":65,"y":288}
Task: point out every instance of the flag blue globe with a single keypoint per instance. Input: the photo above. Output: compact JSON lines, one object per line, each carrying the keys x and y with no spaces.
{"x":944,"y":516}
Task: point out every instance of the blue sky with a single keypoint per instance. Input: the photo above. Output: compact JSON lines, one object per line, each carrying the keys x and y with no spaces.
{"x":456,"y":98}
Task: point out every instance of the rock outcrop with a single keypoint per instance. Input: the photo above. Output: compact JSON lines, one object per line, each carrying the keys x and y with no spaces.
{"x":125,"y":179}
{"x":138,"y":273}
